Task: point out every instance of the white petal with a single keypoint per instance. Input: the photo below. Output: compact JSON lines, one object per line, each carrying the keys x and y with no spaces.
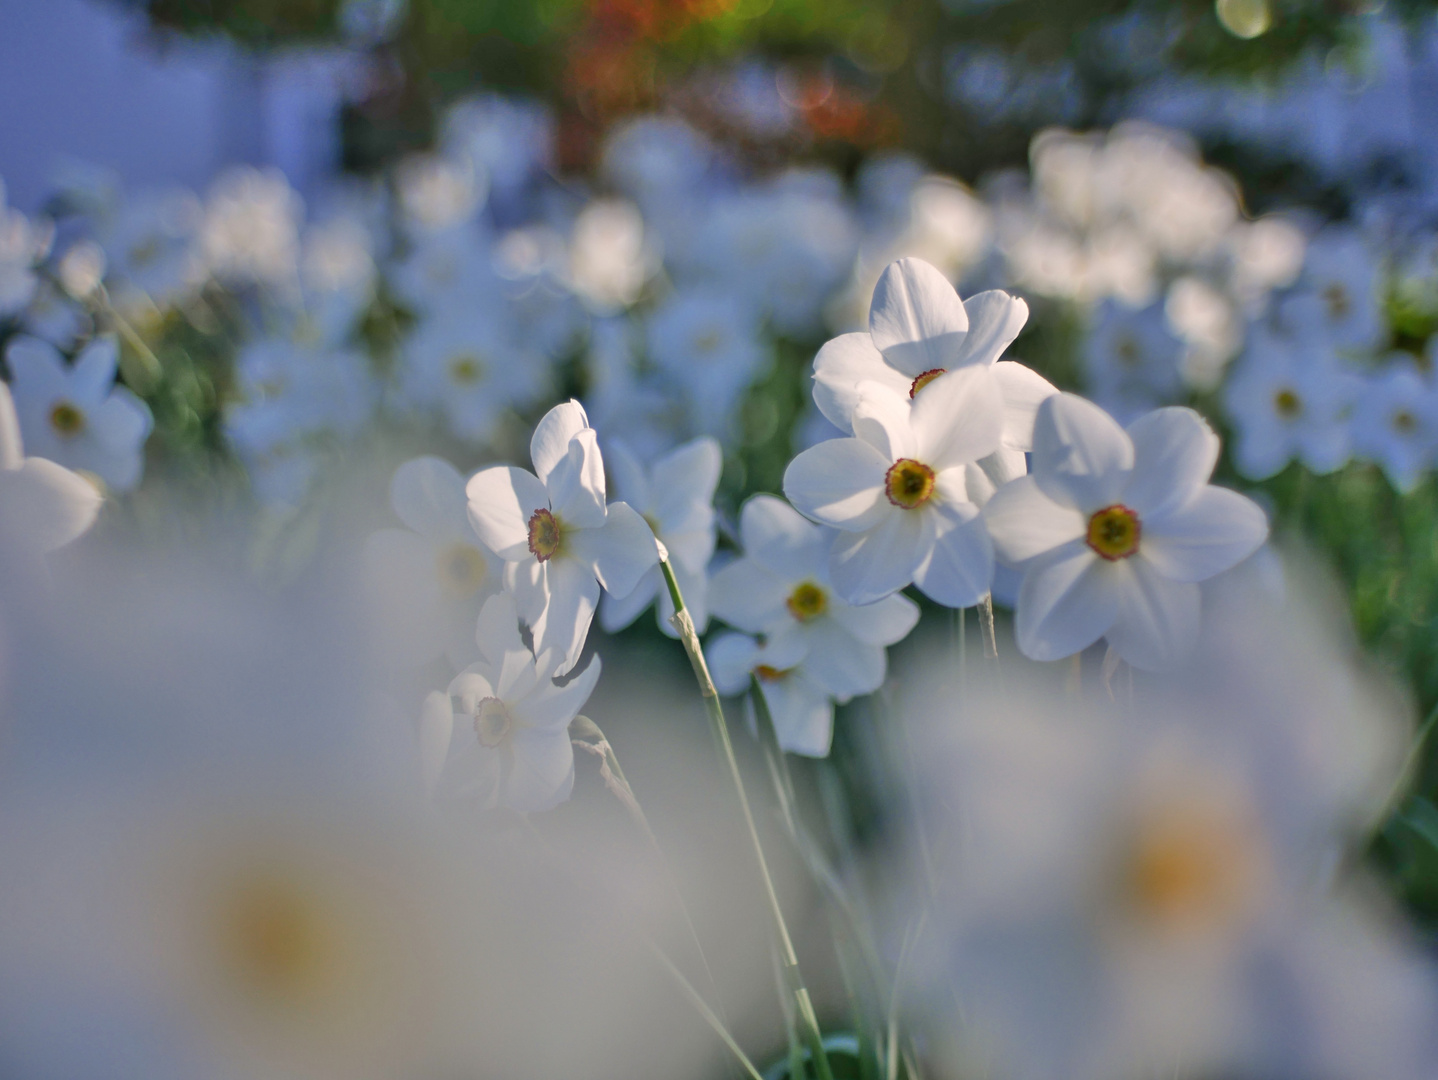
{"x":958,"y":418}
{"x":501,"y":502}
{"x":619,"y":552}
{"x":121,"y":422}
{"x":436,"y":729}
{"x":692,"y":550}
{"x":576,"y":484}
{"x":1215,"y":530}
{"x":916,"y":319}
{"x":554,"y":706}
{"x":93,"y":373}
{"x":1003,"y":465}
{"x":470,"y":687}
{"x":1158,"y":620}
{"x":995,"y":319}
{"x":1024,"y":391}
{"x":1174,"y":452}
{"x":868,"y":566}
{"x":630,"y":482}
{"x":12,"y":453}
{"x":541,"y":776}
{"x":1068,"y":601}
{"x":36,"y":369}
{"x":496,"y":631}
{"x":839,"y":482}
{"x":685,"y":477}
{"x":840,"y":663}
{"x":882,"y":419}
{"x":428,"y":495}
{"x":749,"y":596}
{"x":842,"y":364}
{"x":573,"y":595}
{"x":550,"y":442}
{"x":777,"y":536}
{"x":1025,"y":523}
{"x":884,"y":622}
{"x":617,"y":612}
{"x":45,"y":505}
{"x":1082,"y":457}
{"x":961,"y":568}
{"x":731,"y":658}
{"x":803,"y":715}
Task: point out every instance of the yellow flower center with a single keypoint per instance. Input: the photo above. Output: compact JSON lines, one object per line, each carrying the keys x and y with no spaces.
{"x":545,"y":535}
{"x":909,"y":483}
{"x":492,"y":722}
{"x":807,"y":601}
{"x":924,"y":378}
{"x":771,"y":674}
{"x":67,"y":419}
{"x":277,"y":940}
{"x":1404,"y":422}
{"x":1336,"y":299}
{"x":1113,"y":532}
{"x":1192,"y":866}
{"x":461,"y":569}
{"x":466,"y":369}
{"x":1287,"y":403}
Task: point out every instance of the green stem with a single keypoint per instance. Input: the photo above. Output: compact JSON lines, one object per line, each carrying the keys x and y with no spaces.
{"x":702,"y":1007}
{"x":684,"y":624}
{"x":151,"y":363}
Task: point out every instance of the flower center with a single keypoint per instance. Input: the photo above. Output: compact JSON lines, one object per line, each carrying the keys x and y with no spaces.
{"x":1404,"y":422}
{"x":545,"y":535}
{"x":492,"y":722}
{"x":1335,"y":297}
{"x":67,"y":419}
{"x":466,"y":369}
{"x":807,"y":601}
{"x":1287,"y":404}
{"x":277,"y":939}
{"x":909,"y":483}
{"x":461,"y":569}
{"x":771,"y":674}
{"x":1127,"y":351}
{"x":924,"y":378}
{"x":1113,"y":532}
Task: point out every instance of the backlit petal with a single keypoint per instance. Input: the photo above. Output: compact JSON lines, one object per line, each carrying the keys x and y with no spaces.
{"x":1214,"y":531}
{"x":995,"y":319}
{"x":839,"y":482}
{"x":916,"y":319}
{"x":958,"y":418}
{"x":501,"y":502}
{"x":1174,"y":452}
{"x":1081,"y":456}
{"x":1024,"y":391}
{"x":842,"y":364}
{"x":550,"y":442}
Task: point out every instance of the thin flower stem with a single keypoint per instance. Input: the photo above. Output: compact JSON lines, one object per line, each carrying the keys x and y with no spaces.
{"x":702,"y":1007}
{"x":986,"y":623}
{"x":684,"y":624}
{"x":153,"y":369}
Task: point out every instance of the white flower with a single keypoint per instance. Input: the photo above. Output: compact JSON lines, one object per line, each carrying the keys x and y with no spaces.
{"x":432,"y":576}
{"x":1338,"y":294}
{"x":1395,"y":423}
{"x":918,"y":329}
{"x":76,"y":415}
{"x":610,"y":258}
{"x":781,"y":589}
{"x":709,"y":342}
{"x":1289,"y":399}
{"x":676,"y":496}
{"x":906,"y":490}
{"x":802,"y":710}
{"x":508,"y":734}
{"x":23,"y":244}
{"x":510,"y":139}
{"x":149,"y":241}
{"x":438,"y":193}
{"x":43,"y":506}
{"x":250,"y":232}
{"x":1114,"y":529}
{"x":448,"y":270}
{"x":466,"y":365}
{"x":1131,"y":360}
{"x":555,"y":530}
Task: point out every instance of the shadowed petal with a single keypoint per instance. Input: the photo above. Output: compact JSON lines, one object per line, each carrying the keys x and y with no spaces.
{"x":961,"y":568}
{"x":1024,"y":391}
{"x":842,"y":364}
{"x":1158,"y":619}
{"x":576,"y":483}
{"x":839,"y":482}
{"x":868,"y":566}
{"x":1174,"y":452}
{"x":995,"y":319}
{"x":619,"y":552}
{"x":1082,"y":457}
{"x":916,"y":319}
{"x":1067,"y":601}
{"x":958,"y":418}
{"x":1214,"y":531}
{"x":1026,"y":523}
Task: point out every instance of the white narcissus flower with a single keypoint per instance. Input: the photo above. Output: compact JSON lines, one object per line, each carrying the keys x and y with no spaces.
{"x":709,"y":343}
{"x":505,"y":738}
{"x":802,"y":710}
{"x":1114,"y":529}
{"x":781,"y":589}
{"x":676,"y":496}
{"x":906,"y":489}
{"x":433,"y":576}
{"x":43,"y":506}
{"x":555,"y":530}
{"x":1395,"y":423}
{"x":76,"y":415}
{"x":918,"y":329}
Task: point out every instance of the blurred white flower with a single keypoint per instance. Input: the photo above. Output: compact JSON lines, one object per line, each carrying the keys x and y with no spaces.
{"x":906,"y":490}
{"x":1207,"y":321}
{"x":1289,"y":399}
{"x":708,"y":342}
{"x":675,"y":495}
{"x":508,"y":139}
{"x":780,"y":589}
{"x":656,"y":160}
{"x":45,"y":506}
{"x":337,"y":275}
{"x":1131,"y":360}
{"x":76,"y":415}
{"x":1113,"y":530}
{"x":431,"y":577}
{"x":451,"y":268}
{"x":802,"y":710}
{"x":651,"y":413}
{"x":23,"y":243}
{"x":1338,"y":298}
{"x":1395,"y":423}
{"x":561,"y":537}
{"x":54,"y":316}
{"x":509,"y":732}
{"x":1264,"y":255}
{"x":250,"y":234}
{"x":149,"y":240}
{"x":438,"y":193}
{"x":609,"y":256}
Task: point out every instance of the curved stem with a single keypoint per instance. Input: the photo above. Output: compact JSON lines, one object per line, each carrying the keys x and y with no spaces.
{"x":684,"y":624}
